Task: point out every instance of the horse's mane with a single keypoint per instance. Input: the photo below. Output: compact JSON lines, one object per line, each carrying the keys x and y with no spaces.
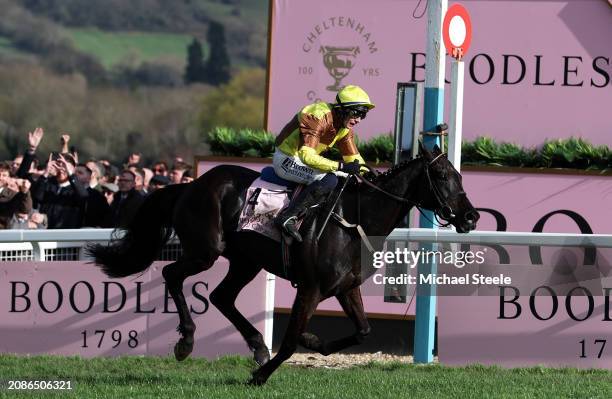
{"x":391,"y":172}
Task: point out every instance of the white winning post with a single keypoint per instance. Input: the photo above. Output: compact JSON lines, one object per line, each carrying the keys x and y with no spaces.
{"x":455,"y":120}
{"x":457,"y":33}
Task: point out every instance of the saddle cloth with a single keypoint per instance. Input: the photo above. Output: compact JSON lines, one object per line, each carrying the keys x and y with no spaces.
{"x":264,"y":200}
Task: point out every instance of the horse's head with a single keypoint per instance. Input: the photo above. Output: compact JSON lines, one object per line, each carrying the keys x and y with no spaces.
{"x":443,"y":193}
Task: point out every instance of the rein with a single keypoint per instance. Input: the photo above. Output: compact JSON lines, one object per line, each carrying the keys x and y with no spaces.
{"x":436,"y":192}
{"x":388,"y":194}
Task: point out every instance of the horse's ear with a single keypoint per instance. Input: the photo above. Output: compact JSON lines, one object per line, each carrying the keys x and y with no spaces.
{"x":437,"y":150}
{"x":424,"y":151}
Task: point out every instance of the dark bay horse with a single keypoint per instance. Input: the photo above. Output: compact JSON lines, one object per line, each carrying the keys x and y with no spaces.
{"x":204,"y":214}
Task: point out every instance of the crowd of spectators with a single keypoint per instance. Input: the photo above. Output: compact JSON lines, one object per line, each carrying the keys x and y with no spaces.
{"x":63,"y":192}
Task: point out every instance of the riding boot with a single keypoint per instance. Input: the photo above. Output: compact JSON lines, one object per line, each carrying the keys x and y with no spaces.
{"x":313,"y":194}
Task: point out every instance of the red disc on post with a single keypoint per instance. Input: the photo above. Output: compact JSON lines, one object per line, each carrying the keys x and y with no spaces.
{"x":457,"y":31}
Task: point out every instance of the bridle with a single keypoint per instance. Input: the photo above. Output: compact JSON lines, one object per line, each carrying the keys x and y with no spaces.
{"x":443,"y":214}
{"x":444,"y":211}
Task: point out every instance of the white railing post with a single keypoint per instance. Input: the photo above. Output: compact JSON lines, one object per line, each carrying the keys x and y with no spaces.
{"x":38,"y":252}
{"x":269,"y":317}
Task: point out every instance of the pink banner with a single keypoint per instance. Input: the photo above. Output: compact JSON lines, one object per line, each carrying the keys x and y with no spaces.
{"x":535,"y":69}
{"x":524,"y":199}
{"x":487,"y":330}
{"x":71,"y":308}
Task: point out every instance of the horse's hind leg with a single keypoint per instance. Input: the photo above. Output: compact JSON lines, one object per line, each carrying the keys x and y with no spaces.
{"x":303,"y":307}
{"x":224,"y":298}
{"x":353,"y":307}
{"x":175,"y":274}
{"x":197,"y":222}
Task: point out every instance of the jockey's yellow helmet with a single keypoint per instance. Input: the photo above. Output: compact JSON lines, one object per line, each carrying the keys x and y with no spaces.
{"x":350,"y":96}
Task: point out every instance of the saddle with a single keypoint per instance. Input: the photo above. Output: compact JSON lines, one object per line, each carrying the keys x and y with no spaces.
{"x":268,"y":174}
{"x":265,"y":199}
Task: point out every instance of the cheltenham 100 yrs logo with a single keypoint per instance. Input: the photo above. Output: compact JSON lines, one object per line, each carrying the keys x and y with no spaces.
{"x":339,"y":55}
{"x":339,"y":62}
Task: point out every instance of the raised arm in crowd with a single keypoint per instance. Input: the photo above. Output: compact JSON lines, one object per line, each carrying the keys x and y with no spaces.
{"x":66,"y":194}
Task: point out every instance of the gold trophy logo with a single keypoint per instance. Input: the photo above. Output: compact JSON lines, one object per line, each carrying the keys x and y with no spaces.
{"x":339,"y":61}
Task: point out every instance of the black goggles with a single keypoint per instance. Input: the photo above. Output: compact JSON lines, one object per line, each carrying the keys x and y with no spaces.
{"x":357,"y":112}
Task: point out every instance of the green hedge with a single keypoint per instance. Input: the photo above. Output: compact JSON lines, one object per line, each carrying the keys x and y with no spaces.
{"x":575,"y":153}
{"x":227,"y":141}
{"x":241,"y":143}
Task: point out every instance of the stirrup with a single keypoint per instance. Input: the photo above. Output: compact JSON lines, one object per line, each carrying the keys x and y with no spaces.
{"x":289,"y":228}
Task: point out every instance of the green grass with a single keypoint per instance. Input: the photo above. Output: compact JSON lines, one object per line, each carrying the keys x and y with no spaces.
{"x":113,"y":47}
{"x":146,"y":377}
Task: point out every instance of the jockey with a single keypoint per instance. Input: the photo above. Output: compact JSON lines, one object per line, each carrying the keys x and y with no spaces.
{"x":314,"y":129}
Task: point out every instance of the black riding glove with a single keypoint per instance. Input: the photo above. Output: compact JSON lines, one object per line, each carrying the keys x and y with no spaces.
{"x":351,"y":168}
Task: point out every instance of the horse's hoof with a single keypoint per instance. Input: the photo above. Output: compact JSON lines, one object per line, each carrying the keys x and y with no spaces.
{"x":261,"y":356}
{"x":182,"y":349}
{"x":257,"y":380}
{"x":310,"y":341}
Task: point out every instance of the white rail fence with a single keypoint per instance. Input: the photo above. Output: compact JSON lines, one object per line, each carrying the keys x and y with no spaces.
{"x":61,"y":245}
{"x":503,"y":238}
{"x":69,"y":244}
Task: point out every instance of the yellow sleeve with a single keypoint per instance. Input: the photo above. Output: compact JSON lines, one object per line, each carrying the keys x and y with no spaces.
{"x":351,"y":158}
{"x":309,"y":156}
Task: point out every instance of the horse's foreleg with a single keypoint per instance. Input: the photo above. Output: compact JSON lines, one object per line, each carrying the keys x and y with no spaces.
{"x":353,"y":307}
{"x":224,"y":298}
{"x":303,"y":307}
{"x":175,"y":274}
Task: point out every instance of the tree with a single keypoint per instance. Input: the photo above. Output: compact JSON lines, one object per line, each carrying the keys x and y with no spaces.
{"x":194,"y":71}
{"x":237,"y":104}
{"x":218,"y":64}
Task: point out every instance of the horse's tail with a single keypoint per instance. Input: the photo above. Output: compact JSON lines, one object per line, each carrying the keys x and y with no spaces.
{"x":144,"y":237}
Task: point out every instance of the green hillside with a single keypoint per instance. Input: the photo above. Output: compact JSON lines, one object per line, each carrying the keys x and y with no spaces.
{"x":111,"y":48}
{"x":119,"y":69}
{"x":121,"y":24}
